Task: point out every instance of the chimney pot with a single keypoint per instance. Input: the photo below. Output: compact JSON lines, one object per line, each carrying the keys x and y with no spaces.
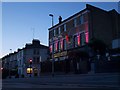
{"x":60,"y":19}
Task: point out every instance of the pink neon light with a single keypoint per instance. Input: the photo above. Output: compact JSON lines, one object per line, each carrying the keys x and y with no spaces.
{"x":67,"y":38}
{"x":78,"y":39}
{"x":87,"y":37}
{"x":50,"y":48}
{"x":56,"y":45}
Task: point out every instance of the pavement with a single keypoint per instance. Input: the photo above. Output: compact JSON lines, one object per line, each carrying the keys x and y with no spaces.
{"x":103,"y":81}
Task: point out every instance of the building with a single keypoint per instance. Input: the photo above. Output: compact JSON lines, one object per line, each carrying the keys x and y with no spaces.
{"x":69,"y":39}
{"x":9,"y":64}
{"x":26,"y":61}
{"x":35,"y":52}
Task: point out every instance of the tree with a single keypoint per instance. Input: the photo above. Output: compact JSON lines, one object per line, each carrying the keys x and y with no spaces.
{"x":98,"y":46}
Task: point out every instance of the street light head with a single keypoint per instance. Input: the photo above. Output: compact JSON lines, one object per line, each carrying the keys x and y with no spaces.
{"x":51,"y":15}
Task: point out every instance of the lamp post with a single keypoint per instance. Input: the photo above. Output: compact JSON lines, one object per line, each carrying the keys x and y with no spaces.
{"x":40,"y":66}
{"x":9,"y":63}
{"x":51,"y":15}
{"x":52,"y":18}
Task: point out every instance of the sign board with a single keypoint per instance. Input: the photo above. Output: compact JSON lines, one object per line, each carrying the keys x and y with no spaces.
{"x":60,"y":54}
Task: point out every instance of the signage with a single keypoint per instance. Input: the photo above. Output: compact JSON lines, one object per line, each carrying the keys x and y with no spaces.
{"x":60,"y":54}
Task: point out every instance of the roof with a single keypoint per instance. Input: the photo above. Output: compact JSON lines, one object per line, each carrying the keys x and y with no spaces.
{"x":88,"y":7}
{"x":29,"y":46}
{"x":67,"y":19}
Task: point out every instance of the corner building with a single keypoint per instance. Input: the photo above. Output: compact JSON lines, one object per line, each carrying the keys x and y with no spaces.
{"x":69,"y":38}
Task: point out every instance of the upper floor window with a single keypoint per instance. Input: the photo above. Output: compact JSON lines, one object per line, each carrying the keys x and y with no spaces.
{"x":64,"y":44}
{"x":38,"y":59}
{"x":61,"y":44}
{"x":59,"y":29}
{"x":51,"y":34}
{"x":75,"y":22}
{"x":20,"y":62}
{"x":56,"y":46}
{"x":76,"y":40}
{"x":38,"y":52}
{"x":82,"y":36}
{"x":81,"y":19}
{"x":54,"y":31}
{"x":34,"y":59}
{"x":34,"y":52}
{"x":64,"y":27}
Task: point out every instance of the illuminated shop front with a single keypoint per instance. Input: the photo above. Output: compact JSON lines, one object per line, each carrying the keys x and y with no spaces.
{"x":29,"y":70}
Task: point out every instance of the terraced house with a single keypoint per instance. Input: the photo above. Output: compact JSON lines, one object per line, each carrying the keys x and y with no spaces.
{"x":26,"y":61}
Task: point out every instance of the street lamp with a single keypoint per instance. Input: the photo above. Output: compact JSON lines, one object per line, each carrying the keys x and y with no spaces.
{"x":52,"y":50}
{"x":9,"y":64}
{"x":40,"y":67}
{"x":52,"y":18}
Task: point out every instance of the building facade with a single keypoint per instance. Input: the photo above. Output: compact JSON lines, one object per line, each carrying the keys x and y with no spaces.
{"x":69,"y":39}
{"x":26,"y":61}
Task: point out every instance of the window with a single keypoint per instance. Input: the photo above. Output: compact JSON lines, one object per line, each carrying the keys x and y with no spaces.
{"x":64,"y":27}
{"x":64,"y":44}
{"x":75,"y":22}
{"x":34,"y":59}
{"x":19,"y":62}
{"x":20,"y":53}
{"x":82,"y":36}
{"x":59,"y":30}
{"x":34,"y":52}
{"x":38,"y":59}
{"x":81,"y":19}
{"x":38,"y":52}
{"x":61,"y":44}
{"x":54,"y":32}
{"x":75,"y":41}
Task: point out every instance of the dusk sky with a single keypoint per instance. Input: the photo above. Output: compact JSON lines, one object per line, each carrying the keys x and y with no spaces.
{"x":19,"y":19}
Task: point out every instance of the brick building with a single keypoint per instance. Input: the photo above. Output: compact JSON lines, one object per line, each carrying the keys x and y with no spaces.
{"x":68,"y":40}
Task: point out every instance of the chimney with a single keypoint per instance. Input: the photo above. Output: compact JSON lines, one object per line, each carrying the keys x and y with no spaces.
{"x":60,"y":19}
{"x":35,"y":42}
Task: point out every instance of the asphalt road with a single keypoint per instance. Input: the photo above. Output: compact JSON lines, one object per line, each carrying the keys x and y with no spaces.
{"x":81,"y":82}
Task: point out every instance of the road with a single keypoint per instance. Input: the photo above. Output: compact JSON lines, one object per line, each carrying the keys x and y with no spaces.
{"x":83,"y":82}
